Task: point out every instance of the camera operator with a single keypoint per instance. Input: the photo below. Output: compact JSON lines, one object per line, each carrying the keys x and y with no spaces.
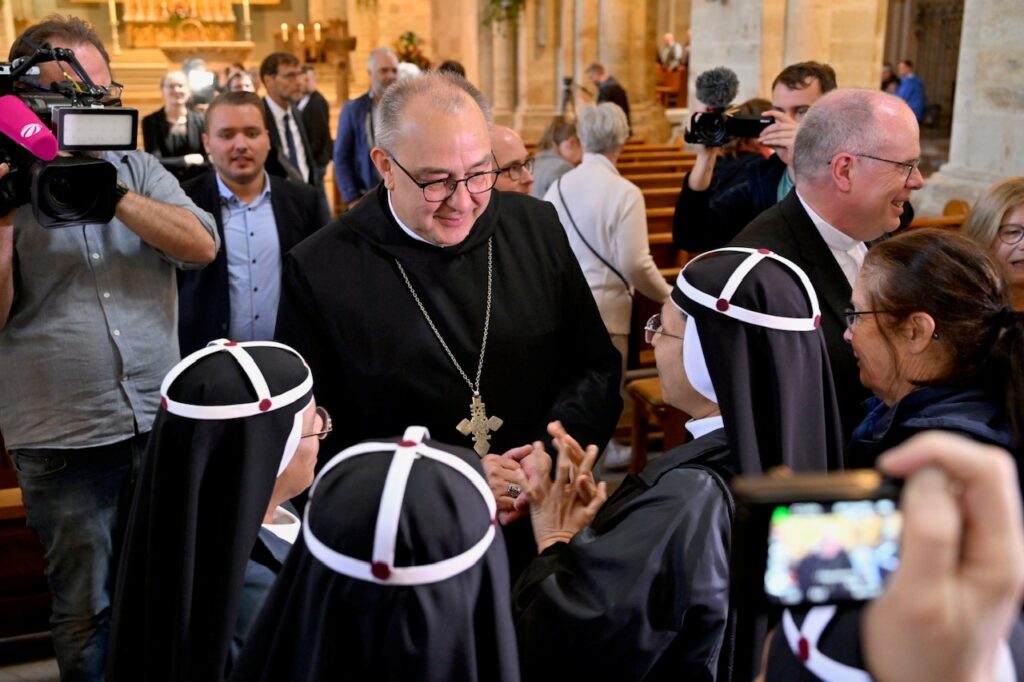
{"x":87,"y":332}
{"x":709,"y":213}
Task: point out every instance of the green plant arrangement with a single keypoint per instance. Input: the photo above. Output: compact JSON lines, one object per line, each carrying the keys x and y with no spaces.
{"x":409,"y":48}
{"x":503,"y":11}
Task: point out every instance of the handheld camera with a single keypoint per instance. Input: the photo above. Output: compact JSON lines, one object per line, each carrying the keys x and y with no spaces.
{"x":717,"y":88}
{"x":37,"y":122}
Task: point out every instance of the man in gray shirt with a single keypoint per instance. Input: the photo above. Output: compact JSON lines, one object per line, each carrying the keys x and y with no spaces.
{"x":87,"y":332}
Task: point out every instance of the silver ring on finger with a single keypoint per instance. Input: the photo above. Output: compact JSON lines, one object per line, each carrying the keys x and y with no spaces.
{"x":513,"y":491}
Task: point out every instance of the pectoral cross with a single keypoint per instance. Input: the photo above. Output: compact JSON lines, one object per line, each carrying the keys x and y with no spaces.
{"x":479,"y":424}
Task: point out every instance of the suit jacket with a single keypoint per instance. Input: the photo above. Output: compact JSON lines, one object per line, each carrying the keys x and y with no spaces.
{"x":317,"y":119}
{"x":786,"y":229}
{"x":354,"y":172}
{"x":155,"y":128}
{"x":278,"y":162}
{"x":204,"y":306}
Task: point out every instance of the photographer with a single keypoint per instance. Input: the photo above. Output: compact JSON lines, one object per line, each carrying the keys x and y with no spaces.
{"x":709,"y":213}
{"x":87,"y":332}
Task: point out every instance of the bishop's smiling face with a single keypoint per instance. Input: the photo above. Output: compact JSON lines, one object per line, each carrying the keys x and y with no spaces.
{"x":431,"y":145}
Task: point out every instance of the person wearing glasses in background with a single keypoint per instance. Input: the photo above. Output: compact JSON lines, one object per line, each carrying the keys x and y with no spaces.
{"x":237,"y":435}
{"x":437,"y":301}
{"x":996,"y":221}
{"x":855,"y":160}
{"x":515,"y":163}
{"x":87,"y":329}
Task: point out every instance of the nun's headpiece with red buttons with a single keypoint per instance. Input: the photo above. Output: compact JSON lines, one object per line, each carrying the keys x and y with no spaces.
{"x":721,"y":301}
{"x":406,"y":480}
{"x":264,"y":401}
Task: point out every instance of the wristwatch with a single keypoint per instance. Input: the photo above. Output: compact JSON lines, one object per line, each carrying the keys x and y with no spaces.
{"x":119,"y":191}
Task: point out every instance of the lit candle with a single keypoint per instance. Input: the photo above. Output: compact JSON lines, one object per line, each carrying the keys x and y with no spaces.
{"x":284,"y":32}
{"x":302,"y":33}
{"x":316,"y":31}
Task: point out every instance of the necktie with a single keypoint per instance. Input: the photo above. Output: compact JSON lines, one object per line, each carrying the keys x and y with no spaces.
{"x":293,"y":156}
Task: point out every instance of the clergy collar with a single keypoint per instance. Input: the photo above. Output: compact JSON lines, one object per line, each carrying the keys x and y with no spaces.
{"x":406,"y":228}
{"x":704,"y":426}
{"x":834,"y":238}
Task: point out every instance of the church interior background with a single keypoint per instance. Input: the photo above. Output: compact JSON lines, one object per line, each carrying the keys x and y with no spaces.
{"x":519,"y":52}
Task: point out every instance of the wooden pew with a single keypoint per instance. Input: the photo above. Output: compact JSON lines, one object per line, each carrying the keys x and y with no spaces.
{"x":943,"y":222}
{"x":680,"y":165}
{"x":652,"y":180}
{"x":661,"y":197}
{"x":632,"y":157}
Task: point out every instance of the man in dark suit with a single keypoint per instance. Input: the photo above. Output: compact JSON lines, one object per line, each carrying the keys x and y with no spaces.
{"x":316,"y":116}
{"x":291,"y":156}
{"x":259,"y":217}
{"x":354,"y":173}
{"x":855,"y":161}
{"x":609,"y":89}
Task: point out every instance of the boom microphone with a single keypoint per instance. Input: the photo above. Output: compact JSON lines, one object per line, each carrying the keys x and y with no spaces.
{"x":20,"y":123}
{"x":717,"y":87}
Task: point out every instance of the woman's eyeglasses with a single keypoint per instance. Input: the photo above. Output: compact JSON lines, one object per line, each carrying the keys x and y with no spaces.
{"x":325,"y":425}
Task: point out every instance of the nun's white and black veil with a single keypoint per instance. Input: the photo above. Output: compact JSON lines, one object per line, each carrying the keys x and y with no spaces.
{"x":757,"y":318}
{"x":230,"y":420}
{"x":399,"y":573}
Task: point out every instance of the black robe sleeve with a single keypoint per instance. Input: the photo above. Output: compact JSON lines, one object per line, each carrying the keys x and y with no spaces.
{"x":645,"y":598}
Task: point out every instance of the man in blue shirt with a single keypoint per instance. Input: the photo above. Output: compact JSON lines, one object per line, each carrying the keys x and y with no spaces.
{"x":911,"y":89}
{"x":353,"y":171}
{"x":87,"y":332}
{"x":259,"y":218}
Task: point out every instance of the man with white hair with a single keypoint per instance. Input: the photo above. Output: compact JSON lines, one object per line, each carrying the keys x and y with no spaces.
{"x":856,"y":163}
{"x":514,"y":162}
{"x":438,"y":302}
{"x":354,"y":173}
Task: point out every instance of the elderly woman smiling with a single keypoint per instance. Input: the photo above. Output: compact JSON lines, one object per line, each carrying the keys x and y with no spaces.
{"x":936,"y":342}
{"x":997,"y":223}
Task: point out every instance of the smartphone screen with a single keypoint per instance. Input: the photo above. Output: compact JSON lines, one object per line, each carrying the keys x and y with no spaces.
{"x":827,"y":552}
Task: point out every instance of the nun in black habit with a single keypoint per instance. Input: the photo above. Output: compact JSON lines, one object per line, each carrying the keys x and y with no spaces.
{"x":231,"y":427}
{"x":399,"y":574}
{"x":642,"y":592}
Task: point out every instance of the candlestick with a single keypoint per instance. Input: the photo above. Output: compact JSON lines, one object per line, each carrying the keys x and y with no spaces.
{"x":302,"y":33}
{"x":284,"y":32}
{"x":316,"y":32}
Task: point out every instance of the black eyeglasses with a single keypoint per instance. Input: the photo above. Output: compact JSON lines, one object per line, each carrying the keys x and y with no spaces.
{"x":516,"y":168}
{"x":853,"y":315}
{"x":440,"y":190}
{"x":654,"y":326}
{"x":911,"y":166}
{"x":1011,"y":233}
{"x":326,"y":425}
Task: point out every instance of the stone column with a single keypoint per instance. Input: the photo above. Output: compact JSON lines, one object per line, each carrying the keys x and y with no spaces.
{"x":987,"y":142}
{"x":537,"y":68}
{"x":849,"y":35}
{"x":7,"y":33}
{"x":456,"y":34}
{"x":626,"y":49}
{"x":503,"y":64}
{"x":728,"y":34}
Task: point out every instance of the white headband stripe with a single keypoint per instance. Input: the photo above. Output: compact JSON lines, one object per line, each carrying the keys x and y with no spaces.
{"x":723,"y":305}
{"x":291,"y":446}
{"x":739,"y":274}
{"x":265,"y":402}
{"x":390,"y":509}
{"x":381,"y":569}
{"x":252,"y":372}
